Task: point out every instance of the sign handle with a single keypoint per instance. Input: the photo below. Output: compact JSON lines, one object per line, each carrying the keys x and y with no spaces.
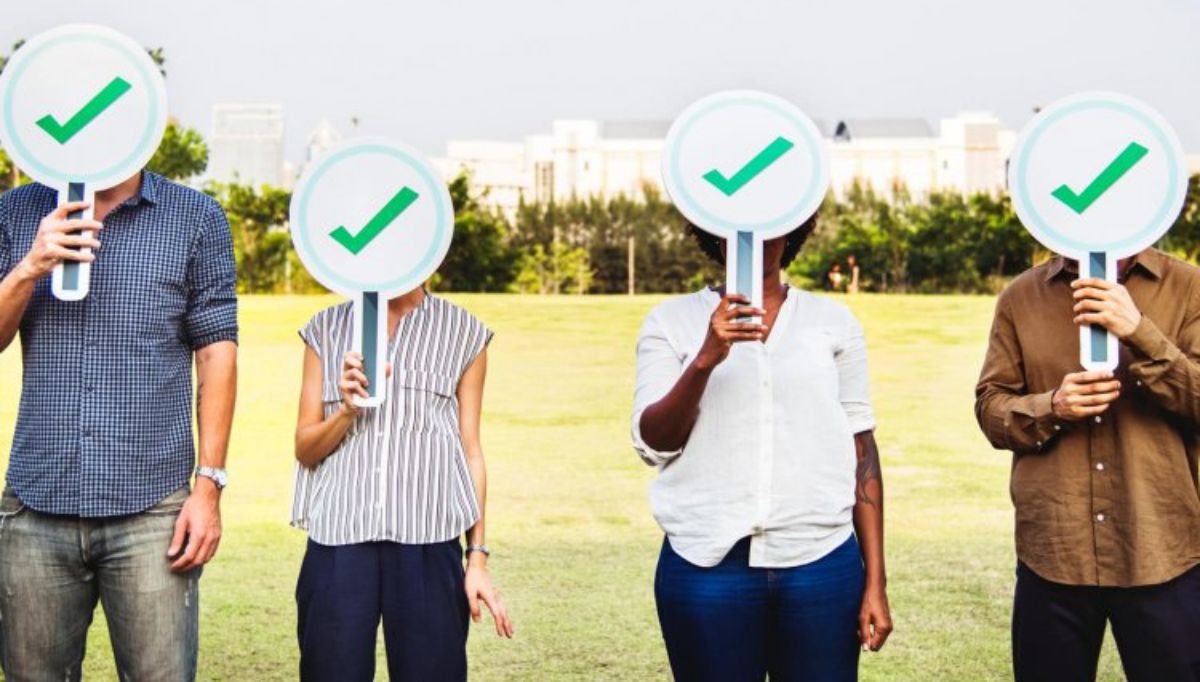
{"x":743,"y":269}
{"x":370,"y":338}
{"x":72,"y":280}
{"x":1097,"y":346}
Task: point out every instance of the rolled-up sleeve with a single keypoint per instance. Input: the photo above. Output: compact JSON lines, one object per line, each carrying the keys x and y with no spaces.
{"x":1010,"y":416}
{"x":212,"y":284}
{"x":658,"y":368}
{"x":1169,"y":372}
{"x":854,"y":381}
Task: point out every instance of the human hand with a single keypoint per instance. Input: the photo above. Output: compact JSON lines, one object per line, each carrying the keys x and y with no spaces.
{"x":725,"y":329}
{"x":199,"y":525}
{"x":59,"y":239}
{"x":1085,"y":394}
{"x":874,"y":618}
{"x":1107,"y":304}
{"x":478,"y":584}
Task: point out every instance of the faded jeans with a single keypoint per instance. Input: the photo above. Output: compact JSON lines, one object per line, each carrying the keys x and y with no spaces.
{"x":54,"y":569}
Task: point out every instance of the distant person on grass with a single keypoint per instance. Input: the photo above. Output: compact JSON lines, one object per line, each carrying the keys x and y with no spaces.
{"x":1104,"y":467}
{"x":852,"y":265}
{"x":98,"y":505}
{"x":755,"y":429}
{"x":387,"y":492}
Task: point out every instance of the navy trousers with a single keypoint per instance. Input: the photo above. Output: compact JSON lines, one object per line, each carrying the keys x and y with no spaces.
{"x":732,"y":622}
{"x":416,"y":590}
{"x":1057,"y":630}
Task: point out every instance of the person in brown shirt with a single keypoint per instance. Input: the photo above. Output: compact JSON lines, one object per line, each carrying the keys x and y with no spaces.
{"x":1104,"y":474}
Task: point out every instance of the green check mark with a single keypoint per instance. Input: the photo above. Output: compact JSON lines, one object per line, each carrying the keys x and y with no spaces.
{"x":386,"y":216}
{"x":62,"y":132}
{"x":769,"y":155}
{"x":1108,"y":177}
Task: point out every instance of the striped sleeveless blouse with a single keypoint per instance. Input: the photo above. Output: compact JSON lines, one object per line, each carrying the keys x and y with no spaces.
{"x":400,"y":474}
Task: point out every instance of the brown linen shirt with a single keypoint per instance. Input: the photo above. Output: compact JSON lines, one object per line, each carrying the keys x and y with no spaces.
{"x":1113,"y":500}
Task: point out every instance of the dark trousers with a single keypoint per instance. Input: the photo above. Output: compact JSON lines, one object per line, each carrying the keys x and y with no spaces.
{"x":1058,"y":629}
{"x":732,"y":622}
{"x":417,"y":590}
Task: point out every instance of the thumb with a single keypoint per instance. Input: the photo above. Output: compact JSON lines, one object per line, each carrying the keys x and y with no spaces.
{"x":177,"y":538}
{"x":473,"y":601}
{"x":388,"y":370}
{"x":864,"y":629}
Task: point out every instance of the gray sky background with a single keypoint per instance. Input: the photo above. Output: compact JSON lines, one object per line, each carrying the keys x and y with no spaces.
{"x":433,"y":71}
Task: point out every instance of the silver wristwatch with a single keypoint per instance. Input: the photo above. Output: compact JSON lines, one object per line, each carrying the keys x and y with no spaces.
{"x":482,"y":549}
{"x":218,"y":476}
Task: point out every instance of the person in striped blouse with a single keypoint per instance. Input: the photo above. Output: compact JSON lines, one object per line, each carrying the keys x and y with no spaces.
{"x":386,"y":493}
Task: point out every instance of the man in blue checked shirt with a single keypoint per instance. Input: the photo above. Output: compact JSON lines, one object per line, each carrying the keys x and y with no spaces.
{"x":98,"y":504}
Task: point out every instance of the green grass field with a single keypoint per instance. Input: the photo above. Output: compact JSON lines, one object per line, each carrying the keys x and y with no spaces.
{"x":569,"y":522}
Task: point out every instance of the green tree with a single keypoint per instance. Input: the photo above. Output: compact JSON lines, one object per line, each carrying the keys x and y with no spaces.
{"x":561,"y":269}
{"x":480,"y":257}
{"x":1184,"y":238}
{"x":261,"y":243}
{"x":182,"y":155}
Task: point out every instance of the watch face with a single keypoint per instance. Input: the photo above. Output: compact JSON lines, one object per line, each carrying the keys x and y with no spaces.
{"x":221,"y":478}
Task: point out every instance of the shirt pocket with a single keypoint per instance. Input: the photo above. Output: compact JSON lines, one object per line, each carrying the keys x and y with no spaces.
{"x":429,"y":398}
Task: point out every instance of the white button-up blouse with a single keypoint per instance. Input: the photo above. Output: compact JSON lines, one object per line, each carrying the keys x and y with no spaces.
{"x":771,"y":455}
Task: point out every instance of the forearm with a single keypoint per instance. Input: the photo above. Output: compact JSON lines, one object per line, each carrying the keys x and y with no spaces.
{"x":667,"y":424}
{"x":216,"y":393}
{"x":868,"y":508}
{"x":1018,"y":423}
{"x":15,"y":291}
{"x":477,"y":534}
{"x":317,"y":441}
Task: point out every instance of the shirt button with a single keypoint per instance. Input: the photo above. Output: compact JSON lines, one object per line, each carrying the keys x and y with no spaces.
{"x":1057,"y":427}
{"x":1098,"y":419}
{"x":1039,"y":443}
{"x":1100,"y":517}
{"x":1099,"y":466}
{"x":1138,"y":382}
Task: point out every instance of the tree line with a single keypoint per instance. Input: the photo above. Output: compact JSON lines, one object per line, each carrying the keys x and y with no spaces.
{"x":944,"y":242}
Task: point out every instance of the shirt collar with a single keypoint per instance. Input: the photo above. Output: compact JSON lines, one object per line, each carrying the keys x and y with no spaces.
{"x":1149,"y":260}
{"x":150,"y":189}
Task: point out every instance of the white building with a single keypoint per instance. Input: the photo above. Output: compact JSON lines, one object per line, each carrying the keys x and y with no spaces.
{"x":592,"y":158}
{"x":968,"y":154}
{"x":247,"y":144}
{"x":581,"y":158}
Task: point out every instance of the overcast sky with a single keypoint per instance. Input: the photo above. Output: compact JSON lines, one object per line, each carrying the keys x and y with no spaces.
{"x":501,"y":69}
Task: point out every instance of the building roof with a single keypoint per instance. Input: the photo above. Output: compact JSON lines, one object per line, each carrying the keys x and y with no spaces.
{"x":635,"y":130}
{"x":852,"y":128}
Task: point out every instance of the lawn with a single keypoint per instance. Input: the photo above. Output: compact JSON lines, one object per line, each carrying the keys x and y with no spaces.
{"x":574,"y":544}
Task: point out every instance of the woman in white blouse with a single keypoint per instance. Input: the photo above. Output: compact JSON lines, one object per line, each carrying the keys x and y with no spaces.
{"x":769,"y":488}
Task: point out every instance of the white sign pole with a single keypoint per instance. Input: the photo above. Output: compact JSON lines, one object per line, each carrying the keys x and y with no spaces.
{"x":71,"y":280}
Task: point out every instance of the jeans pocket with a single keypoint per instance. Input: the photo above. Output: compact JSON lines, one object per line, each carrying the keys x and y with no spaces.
{"x":10,"y":504}
{"x":172,"y":504}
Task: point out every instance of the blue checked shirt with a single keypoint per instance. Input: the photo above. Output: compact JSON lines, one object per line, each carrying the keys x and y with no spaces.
{"x":105,"y":427}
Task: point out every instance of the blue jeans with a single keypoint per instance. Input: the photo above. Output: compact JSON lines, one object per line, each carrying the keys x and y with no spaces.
{"x":53,"y":570}
{"x":732,"y":622}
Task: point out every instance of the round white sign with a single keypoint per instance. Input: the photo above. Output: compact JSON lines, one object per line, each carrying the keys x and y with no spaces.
{"x":1097,"y":173}
{"x":745,"y":161}
{"x":371,"y":215}
{"x":81,"y":104}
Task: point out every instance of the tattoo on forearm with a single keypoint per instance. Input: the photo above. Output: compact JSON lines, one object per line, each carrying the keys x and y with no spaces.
{"x":868,"y":470}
